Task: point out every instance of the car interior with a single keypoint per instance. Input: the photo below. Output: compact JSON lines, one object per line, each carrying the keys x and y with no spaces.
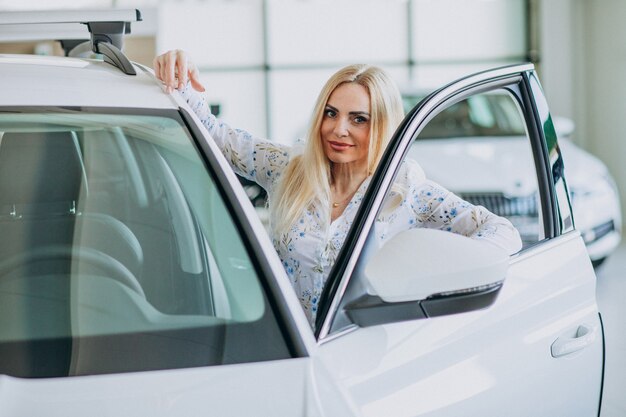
{"x":105,"y":258}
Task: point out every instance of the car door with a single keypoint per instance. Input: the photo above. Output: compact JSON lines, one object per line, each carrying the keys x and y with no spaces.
{"x":537,"y":350}
{"x":134,"y":280}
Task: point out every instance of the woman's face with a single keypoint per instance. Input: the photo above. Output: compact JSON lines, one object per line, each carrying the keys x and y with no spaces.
{"x":345,"y":129}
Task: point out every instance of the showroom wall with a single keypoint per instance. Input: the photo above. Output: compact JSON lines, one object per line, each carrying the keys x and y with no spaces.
{"x":583,"y":69}
{"x":604,"y":70}
{"x":264,"y":61}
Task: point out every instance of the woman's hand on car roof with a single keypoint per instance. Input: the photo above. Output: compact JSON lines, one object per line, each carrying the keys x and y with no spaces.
{"x":175,"y":68}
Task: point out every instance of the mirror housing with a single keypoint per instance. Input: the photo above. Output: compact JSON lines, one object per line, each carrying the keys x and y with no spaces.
{"x":424,"y":273}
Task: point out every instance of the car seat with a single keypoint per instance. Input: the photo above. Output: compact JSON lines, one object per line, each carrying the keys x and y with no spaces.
{"x":42,"y":183}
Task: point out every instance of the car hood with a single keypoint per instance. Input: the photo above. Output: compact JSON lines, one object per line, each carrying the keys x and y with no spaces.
{"x":496,"y":164}
{"x":294,"y":387}
{"x":478,"y":164}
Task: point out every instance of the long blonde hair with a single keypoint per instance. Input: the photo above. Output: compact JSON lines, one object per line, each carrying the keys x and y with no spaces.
{"x":305,"y":183}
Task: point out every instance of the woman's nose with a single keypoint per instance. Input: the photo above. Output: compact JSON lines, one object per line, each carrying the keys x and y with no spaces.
{"x":341,"y":128}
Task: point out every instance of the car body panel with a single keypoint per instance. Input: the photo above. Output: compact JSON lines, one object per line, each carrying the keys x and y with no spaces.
{"x":298,"y":387}
{"x":78,"y":82}
{"x":483,"y":362}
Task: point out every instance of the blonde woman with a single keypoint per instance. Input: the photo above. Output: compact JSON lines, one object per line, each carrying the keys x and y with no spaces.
{"x":314,"y":195}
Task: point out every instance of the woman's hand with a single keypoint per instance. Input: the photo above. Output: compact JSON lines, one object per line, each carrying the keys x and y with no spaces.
{"x":174,"y":68}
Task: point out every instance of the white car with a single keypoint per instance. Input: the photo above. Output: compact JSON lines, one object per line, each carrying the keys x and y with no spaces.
{"x":510,"y":190}
{"x":136,"y":278}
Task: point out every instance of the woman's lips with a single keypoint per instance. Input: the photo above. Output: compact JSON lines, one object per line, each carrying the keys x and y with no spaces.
{"x":338,"y":146}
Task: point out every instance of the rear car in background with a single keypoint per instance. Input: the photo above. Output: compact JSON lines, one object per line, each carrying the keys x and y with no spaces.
{"x":457,"y":149}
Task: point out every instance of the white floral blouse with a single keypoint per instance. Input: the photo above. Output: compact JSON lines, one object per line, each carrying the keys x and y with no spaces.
{"x":310,"y":248}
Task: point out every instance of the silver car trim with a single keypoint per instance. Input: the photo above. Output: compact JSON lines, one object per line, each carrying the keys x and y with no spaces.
{"x":337,"y":335}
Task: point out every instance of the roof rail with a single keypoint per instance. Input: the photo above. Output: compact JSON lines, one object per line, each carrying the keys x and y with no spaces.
{"x":106,"y":27}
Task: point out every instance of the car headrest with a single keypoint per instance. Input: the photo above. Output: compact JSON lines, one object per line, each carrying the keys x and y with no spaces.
{"x":40,"y":169}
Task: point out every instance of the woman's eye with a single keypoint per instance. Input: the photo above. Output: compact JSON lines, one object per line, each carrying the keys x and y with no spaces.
{"x":330,"y":113}
{"x":360,"y":119}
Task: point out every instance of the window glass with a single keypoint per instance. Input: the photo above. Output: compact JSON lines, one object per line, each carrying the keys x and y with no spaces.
{"x":480,"y":111}
{"x":478,"y":148}
{"x":484,"y":115}
{"x":118,"y":252}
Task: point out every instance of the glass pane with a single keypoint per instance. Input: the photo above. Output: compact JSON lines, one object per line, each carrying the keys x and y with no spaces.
{"x":478,"y":148}
{"x":118,"y":252}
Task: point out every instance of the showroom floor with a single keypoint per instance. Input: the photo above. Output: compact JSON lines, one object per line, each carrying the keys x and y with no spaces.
{"x":611,"y":291}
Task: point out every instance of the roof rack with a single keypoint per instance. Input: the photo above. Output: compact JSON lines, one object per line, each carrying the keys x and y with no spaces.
{"x":106,"y":27}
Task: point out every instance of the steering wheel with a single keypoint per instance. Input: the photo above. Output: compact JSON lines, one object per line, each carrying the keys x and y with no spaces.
{"x":113,"y":268}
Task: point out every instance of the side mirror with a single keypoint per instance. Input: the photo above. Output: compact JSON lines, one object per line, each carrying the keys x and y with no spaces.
{"x":424,"y":273}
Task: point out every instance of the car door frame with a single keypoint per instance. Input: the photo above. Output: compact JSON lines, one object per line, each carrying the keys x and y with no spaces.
{"x":395,"y":154}
{"x":555,"y":208}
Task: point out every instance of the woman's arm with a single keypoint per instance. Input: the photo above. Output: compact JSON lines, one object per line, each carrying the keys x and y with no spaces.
{"x":256,"y":159}
{"x":442,"y":209}
{"x":438,"y":208}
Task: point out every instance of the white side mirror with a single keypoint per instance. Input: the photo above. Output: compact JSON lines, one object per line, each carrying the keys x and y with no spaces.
{"x":423,"y":273}
{"x":420,"y":263}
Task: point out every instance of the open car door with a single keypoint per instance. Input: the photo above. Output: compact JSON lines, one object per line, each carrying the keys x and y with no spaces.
{"x":418,"y":327}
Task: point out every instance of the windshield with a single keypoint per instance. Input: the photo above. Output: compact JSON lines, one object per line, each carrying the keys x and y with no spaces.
{"x":479,"y":115}
{"x":118,"y":253}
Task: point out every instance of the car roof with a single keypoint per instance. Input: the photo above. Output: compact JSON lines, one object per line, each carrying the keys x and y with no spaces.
{"x":32,"y":80}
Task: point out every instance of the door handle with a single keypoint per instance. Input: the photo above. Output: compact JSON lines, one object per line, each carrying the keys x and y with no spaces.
{"x":585,"y":335}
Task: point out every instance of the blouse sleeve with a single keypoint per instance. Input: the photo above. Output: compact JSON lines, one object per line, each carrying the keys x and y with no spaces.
{"x":438,"y":208}
{"x":258,"y":160}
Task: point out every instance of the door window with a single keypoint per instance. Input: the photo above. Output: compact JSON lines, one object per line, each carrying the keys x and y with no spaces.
{"x":473,"y":157}
{"x":118,"y":252}
{"x":479,"y":149}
